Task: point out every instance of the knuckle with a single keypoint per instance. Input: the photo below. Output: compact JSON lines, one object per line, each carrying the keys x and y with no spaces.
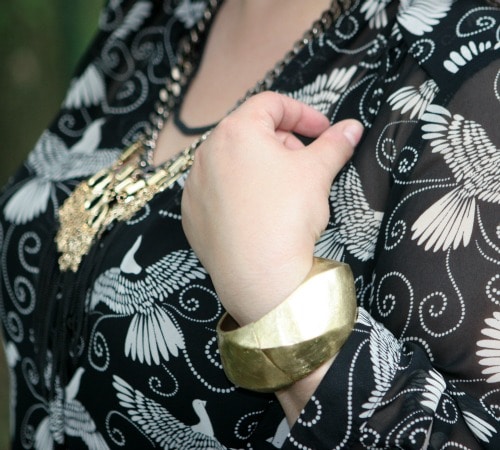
{"x":266,"y":96}
{"x":227,"y":129}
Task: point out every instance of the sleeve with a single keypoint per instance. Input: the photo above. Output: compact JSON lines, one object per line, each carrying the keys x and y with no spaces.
{"x":421,"y":368}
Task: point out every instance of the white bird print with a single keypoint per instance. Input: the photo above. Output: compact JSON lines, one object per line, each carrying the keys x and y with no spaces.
{"x":480,"y":427}
{"x":89,"y":141}
{"x":474,"y":416}
{"x":133,"y":20}
{"x":490,"y":348}
{"x":325,"y":90}
{"x":356,"y":225}
{"x":189,"y":12}
{"x":160,"y":425}
{"x":12,"y":357}
{"x":421,"y":16}
{"x":87,"y":90}
{"x":51,"y":162}
{"x":68,"y":417}
{"x":479,"y":418}
{"x":461,"y":57}
{"x":415,"y":99}
{"x":384,"y":354}
{"x":433,"y":391}
{"x":132,"y":290}
{"x":475,"y":163}
{"x":280,"y":435}
{"x":374,"y":11}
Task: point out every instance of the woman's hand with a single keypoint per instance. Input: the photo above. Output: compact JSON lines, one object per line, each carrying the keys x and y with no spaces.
{"x":256,"y":199}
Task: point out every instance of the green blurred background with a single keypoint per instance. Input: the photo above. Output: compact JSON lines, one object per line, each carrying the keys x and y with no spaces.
{"x":40,"y":43}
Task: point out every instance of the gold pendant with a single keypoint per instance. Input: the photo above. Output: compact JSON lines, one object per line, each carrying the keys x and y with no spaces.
{"x":112,"y":194}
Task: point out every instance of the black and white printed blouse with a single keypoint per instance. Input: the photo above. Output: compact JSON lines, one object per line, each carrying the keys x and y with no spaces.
{"x":415,"y":213}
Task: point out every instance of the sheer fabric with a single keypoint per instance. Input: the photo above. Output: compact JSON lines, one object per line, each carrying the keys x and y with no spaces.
{"x":415,"y":214}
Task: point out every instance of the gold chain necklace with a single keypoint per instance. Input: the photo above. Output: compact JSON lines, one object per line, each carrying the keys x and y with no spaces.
{"x":118,"y":192}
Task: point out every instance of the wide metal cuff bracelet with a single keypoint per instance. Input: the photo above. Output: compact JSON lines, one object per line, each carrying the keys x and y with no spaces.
{"x":296,"y":337}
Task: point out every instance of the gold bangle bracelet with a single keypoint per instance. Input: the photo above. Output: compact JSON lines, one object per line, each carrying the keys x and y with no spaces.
{"x":295,"y":338}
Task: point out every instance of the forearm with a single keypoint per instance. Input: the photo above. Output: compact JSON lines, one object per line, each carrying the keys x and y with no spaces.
{"x":380,"y":392}
{"x":294,"y":398}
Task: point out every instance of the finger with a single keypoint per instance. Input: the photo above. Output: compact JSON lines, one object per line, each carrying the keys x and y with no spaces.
{"x":289,"y":140}
{"x":336,"y":145}
{"x":279,"y":112}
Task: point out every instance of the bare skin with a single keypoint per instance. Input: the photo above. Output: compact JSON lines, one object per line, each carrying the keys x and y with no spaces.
{"x":247,"y":38}
{"x":256,"y":201}
{"x":255,"y":242}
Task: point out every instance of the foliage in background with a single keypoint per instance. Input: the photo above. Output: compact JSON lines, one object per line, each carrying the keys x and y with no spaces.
{"x":40,"y":43}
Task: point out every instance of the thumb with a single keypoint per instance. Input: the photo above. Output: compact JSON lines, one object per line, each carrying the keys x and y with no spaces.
{"x":335,"y":146}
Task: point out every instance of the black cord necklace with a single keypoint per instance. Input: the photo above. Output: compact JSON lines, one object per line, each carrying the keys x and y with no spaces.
{"x":184,"y":128}
{"x":118,"y":192}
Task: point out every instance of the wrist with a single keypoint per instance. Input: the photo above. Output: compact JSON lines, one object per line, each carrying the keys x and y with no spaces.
{"x":297,"y":337}
{"x":294,"y":398}
{"x":249,"y":297}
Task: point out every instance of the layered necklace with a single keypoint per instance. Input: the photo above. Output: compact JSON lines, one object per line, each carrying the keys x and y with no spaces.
{"x":118,"y":192}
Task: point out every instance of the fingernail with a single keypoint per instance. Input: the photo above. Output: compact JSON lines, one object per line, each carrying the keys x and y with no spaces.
{"x":353,"y":131}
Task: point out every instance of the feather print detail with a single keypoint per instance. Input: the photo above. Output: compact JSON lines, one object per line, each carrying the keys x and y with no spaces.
{"x":325,"y":90}
{"x":364,"y":318}
{"x":421,"y":16}
{"x":474,"y":161}
{"x":88,"y":90}
{"x":481,"y":429}
{"x":384,"y":351}
{"x":68,"y":416}
{"x":133,"y":20}
{"x":189,"y":12}
{"x":160,"y":425}
{"x":356,"y":224}
{"x":29,"y":202}
{"x":490,"y":348}
{"x":466,"y":54}
{"x":131,"y":290}
{"x":415,"y":99}
{"x":153,"y":377}
{"x":51,"y":161}
{"x":374,"y":11}
{"x":448,"y":222}
{"x":434,"y":389}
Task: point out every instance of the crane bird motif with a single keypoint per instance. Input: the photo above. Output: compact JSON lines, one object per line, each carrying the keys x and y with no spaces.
{"x":356,"y":225}
{"x":160,"y":425}
{"x":67,"y":416}
{"x":132,"y":290}
{"x":474,"y":161}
